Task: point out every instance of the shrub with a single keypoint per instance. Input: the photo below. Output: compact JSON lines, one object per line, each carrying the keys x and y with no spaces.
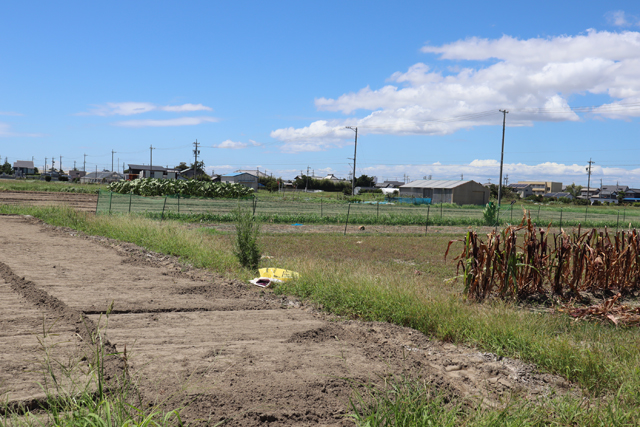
{"x":47,"y":178}
{"x":490,"y":213}
{"x":246,"y":247}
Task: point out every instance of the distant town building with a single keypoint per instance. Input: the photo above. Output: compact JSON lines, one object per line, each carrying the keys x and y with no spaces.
{"x":23,"y":168}
{"x":540,"y":188}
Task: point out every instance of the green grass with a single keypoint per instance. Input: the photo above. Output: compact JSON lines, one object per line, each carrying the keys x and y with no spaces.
{"x":79,"y":393}
{"x":415,"y":402}
{"x":52,"y":186}
{"x":372,"y":277}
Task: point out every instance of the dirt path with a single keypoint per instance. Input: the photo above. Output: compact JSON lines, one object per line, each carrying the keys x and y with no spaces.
{"x":243,"y":355}
{"x":80,"y":201}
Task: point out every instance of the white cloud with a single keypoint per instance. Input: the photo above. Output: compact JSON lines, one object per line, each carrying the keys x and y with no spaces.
{"x":5,"y":131}
{"x":532,"y":78}
{"x":131,"y":108}
{"x":232,"y":145}
{"x":618,"y":18}
{"x":9,"y":113}
{"x":482,"y":170}
{"x":255,"y":143}
{"x":181,"y":121}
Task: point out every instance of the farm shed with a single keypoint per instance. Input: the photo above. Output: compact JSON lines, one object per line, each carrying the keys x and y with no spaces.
{"x":440,"y":191}
{"x":243,"y":178}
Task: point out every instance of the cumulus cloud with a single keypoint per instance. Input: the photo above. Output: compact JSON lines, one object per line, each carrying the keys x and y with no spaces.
{"x":131,"y":108}
{"x":231,"y":145}
{"x":532,"y":78}
{"x":181,"y":121}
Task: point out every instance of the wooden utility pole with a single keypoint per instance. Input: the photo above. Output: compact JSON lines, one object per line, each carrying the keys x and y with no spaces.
{"x":504,"y":121}
{"x":112,"y":152}
{"x":84,"y":166}
{"x":355,"y":151}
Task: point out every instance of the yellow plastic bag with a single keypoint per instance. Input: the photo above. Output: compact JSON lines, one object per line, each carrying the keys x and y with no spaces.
{"x":278,"y":273}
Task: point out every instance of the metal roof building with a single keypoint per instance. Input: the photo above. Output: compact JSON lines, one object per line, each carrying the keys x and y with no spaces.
{"x":445,"y":191}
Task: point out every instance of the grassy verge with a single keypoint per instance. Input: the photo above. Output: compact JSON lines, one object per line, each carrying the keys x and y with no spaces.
{"x":59,"y":186}
{"x":78,"y":392}
{"x":374,"y":278}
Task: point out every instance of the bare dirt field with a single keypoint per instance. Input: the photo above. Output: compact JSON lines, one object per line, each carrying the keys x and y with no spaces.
{"x":80,"y":201}
{"x":243,"y":355}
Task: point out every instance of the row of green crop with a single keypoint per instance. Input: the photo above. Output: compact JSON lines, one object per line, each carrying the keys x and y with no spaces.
{"x":170,"y":187}
{"x":372,"y":219}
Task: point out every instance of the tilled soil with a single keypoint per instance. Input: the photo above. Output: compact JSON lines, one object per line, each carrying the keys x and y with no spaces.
{"x":79,"y":201}
{"x":233,"y":351}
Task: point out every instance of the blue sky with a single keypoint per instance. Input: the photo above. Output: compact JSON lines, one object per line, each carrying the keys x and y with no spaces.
{"x":272,"y":86}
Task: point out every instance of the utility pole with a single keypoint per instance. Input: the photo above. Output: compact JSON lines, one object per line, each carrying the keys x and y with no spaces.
{"x":150,"y":160}
{"x":196,"y":152}
{"x":53,"y":163}
{"x":45,"y":164}
{"x":112,"y":152}
{"x":306,"y":185}
{"x":506,"y":180}
{"x":461,"y":177}
{"x":60,"y":164}
{"x":589,"y":181}
{"x":118,"y":165}
{"x":74,"y":165}
{"x":504,"y":121}
{"x":355,"y":151}
{"x":84,"y":166}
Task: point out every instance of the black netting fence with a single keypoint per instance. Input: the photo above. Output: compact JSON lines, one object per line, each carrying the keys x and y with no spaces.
{"x":334,"y":211}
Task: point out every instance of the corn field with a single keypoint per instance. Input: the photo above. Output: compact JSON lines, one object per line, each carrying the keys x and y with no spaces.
{"x":522,"y":261}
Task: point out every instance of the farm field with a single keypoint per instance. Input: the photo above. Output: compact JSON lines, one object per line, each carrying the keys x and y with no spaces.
{"x":245,"y":356}
{"x":81,"y":201}
{"x":196,"y":332}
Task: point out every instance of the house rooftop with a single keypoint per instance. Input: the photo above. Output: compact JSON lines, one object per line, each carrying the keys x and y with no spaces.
{"x":23,"y":164}
{"x":434,"y":183}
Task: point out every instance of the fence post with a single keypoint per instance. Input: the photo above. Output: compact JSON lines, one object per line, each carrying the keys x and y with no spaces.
{"x":618,"y":221}
{"x":426,"y":227}
{"x":624,"y":212}
{"x":347,"y":223}
{"x":321,"y":207}
{"x":178,"y":204}
{"x":98,"y":201}
{"x":585,"y":213}
{"x":440,"y":209}
{"x":110,"y":197}
{"x":560,"y":217}
{"x":378,"y":211}
{"x":538,"y":220}
{"x":130,"y":202}
{"x":511,"y":212}
{"x":163,"y":206}
{"x":255,"y":203}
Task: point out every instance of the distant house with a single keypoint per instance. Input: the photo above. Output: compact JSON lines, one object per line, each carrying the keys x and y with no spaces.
{"x":254,"y":172}
{"x":609,"y":193}
{"x":589,"y":193}
{"x":73,"y":174}
{"x":523,"y":190}
{"x":243,"y":178}
{"x":104,"y":177}
{"x":23,"y":168}
{"x":441,"y":191}
{"x":540,"y":188}
{"x":147,"y":171}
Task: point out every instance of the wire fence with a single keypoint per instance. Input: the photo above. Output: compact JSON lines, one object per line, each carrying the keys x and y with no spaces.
{"x":334,"y":211}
